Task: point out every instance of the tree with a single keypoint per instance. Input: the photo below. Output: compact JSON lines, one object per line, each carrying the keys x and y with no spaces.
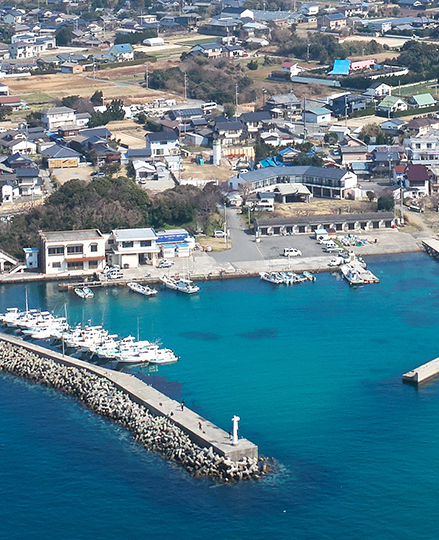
{"x":97,"y":98}
{"x":370,"y":195}
{"x":229,"y":110}
{"x":5,"y":112}
{"x":64,"y":36}
{"x":386,"y":202}
{"x":330,"y":138}
{"x":253,"y":65}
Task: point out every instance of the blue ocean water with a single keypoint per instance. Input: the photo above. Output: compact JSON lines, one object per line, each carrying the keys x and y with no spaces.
{"x":314,"y":372}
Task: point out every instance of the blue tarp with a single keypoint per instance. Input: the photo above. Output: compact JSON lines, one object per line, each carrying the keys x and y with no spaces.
{"x":341,"y":67}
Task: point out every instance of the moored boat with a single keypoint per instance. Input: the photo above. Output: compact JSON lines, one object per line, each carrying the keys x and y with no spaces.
{"x":271,"y":277}
{"x":141,"y":289}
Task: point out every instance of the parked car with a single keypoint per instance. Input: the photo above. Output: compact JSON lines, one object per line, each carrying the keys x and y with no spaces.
{"x":292,"y":252}
{"x":98,"y":174}
{"x":165,"y":264}
{"x":219,"y":234}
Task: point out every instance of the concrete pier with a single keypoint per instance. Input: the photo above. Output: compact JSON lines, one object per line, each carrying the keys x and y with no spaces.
{"x":202,"y":432}
{"x":422,"y":373}
{"x":431,"y":246}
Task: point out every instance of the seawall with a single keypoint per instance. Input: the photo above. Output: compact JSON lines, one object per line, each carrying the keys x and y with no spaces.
{"x":156,"y":421}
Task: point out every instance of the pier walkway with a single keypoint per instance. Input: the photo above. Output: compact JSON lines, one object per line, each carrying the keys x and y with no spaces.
{"x":208,"y":435}
{"x":431,"y":246}
{"x":420,"y":374}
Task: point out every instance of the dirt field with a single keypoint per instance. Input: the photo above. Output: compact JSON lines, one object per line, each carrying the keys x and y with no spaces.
{"x":324,"y":206}
{"x":80,"y":173}
{"x":60,"y":85}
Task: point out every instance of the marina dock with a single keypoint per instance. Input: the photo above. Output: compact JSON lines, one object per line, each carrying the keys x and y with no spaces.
{"x":201,"y":431}
{"x":422,"y":373}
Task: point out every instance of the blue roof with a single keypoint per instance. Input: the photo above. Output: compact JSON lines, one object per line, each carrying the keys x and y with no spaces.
{"x":123,"y":47}
{"x":341,"y":67}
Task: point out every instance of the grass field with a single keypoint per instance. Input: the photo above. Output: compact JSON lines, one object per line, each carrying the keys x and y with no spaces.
{"x":428,"y":87}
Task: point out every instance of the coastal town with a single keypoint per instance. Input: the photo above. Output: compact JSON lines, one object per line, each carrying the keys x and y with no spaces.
{"x":219,"y":238}
{"x":289,"y":142}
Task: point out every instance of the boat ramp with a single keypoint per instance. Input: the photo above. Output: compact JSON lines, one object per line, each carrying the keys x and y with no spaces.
{"x":422,"y":373}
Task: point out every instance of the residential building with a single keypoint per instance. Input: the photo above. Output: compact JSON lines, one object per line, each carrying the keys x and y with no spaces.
{"x":316,"y":116}
{"x":378,"y":90}
{"x":130,"y":248}
{"x":333,"y":22}
{"x":310,"y":9}
{"x":254,"y":121}
{"x":421,"y":101}
{"x":392,"y":126}
{"x":60,"y":157}
{"x":391,"y":104}
{"x":28,"y":181}
{"x":25,"y":49}
{"x":71,"y":67}
{"x":230,"y":132}
{"x":417,"y":180}
{"x":424,"y":150}
{"x":347,"y":104}
{"x":56,"y":117}
{"x":15,"y":102}
{"x":72,"y":252}
{"x":122,"y":52}
{"x":162,"y":143}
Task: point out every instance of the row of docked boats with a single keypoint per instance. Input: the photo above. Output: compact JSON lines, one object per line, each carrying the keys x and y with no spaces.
{"x":286,"y":278}
{"x":92,"y":340}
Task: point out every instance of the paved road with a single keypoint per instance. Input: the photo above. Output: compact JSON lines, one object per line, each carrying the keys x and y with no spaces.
{"x":244,"y":248}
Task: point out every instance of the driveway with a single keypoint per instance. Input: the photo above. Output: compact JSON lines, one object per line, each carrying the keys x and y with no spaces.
{"x":244,"y":248}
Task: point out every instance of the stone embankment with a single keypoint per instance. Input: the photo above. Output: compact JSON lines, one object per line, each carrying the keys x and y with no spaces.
{"x":156,"y":433}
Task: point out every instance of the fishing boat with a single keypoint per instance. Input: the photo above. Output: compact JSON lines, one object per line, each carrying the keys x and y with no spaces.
{"x":309,"y":276}
{"x":80,"y":292}
{"x":88,"y":292}
{"x":141,"y":289}
{"x":271,"y":277}
{"x":180,"y":284}
{"x":352,"y":275}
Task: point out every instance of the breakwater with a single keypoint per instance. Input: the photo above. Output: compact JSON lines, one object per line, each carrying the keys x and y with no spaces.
{"x":122,"y":399}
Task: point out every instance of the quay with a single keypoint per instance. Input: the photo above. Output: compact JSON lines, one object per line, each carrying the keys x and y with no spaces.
{"x":201,"y":432}
{"x":431,"y":246}
{"x":422,"y":373}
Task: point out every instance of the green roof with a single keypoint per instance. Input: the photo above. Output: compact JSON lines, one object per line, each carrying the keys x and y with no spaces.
{"x":389,"y":101}
{"x":423,"y":99}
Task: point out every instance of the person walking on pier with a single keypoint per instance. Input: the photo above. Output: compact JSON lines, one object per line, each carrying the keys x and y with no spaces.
{"x":182,"y":404}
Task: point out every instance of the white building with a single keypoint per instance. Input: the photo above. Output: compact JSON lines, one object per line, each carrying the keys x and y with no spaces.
{"x":130,"y":248}
{"x":75,"y":252}
{"x":423,"y":150}
{"x":56,"y":117}
{"x":316,"y":116}
{"x":162,"y":143}
{"x":31,"y":257}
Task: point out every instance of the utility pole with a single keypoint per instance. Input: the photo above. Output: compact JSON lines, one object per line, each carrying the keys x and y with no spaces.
{"x":147,"y":75}
{"x":185,"y":85}
{"x":236,"y":101}
{"x":345,"y":111}
{"x":94,"y":68}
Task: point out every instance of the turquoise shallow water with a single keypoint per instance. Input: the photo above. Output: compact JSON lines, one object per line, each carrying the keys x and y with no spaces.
{"x":314,"y":371}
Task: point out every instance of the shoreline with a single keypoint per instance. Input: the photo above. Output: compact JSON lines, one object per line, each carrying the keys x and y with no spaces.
{"x":206,"y":268}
